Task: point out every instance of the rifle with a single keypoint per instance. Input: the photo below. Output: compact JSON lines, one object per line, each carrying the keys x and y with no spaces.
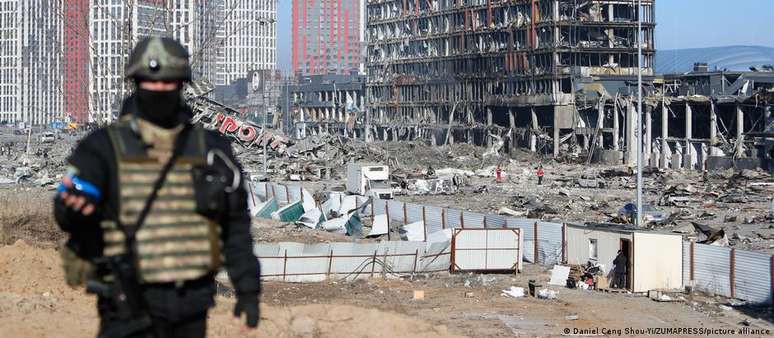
{"x":125,"y":291}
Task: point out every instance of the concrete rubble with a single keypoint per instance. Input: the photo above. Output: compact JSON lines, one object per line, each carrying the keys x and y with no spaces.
{"x":738,"y":201}
{"x":27,"y":161}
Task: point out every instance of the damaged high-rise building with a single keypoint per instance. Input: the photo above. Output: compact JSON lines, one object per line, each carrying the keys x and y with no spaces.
{"x":513,"y":68}
{"x":555,"y":76}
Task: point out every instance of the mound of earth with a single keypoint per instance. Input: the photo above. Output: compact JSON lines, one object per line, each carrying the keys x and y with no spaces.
{"x":36,"y":302}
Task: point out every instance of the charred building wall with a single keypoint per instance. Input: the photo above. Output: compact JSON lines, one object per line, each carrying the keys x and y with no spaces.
{"x":556,"y":76}
{"x":328,"y":103}
{"x":710,"y":120}
{"x":481,"y":67}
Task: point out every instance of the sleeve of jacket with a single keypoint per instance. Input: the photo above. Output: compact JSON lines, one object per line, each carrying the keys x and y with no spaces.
{"x":89,"y":161}
{"x":241,"y":264}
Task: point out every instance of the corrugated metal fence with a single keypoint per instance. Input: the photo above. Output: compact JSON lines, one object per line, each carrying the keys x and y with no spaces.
{"x":753,"y":280}
{"x":729,"y":272}
{"x":549,"y":247}
{"x":551,"y":243}
{"x":434,"y":219}
{"x":527,"y":227}
{"x":298,"y":262}
{"x":718,"y":270}
{"x":711,"y":269}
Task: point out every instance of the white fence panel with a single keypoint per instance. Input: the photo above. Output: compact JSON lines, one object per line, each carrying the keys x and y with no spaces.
{"x":753,"y":276}
{"x":453,"y":218}
{"x":486,"y":249}
{"x":711,"y":270}
{"x":549,"y":243}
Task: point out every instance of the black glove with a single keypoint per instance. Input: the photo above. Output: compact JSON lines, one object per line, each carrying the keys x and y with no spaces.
{"x":77,"y":217}
{"x":247,"y":303}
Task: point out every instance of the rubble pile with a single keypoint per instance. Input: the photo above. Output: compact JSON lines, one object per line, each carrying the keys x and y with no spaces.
{"x":736,"y":202}
{"x":39,"y":164}
{"x":323,"y":157}
{"x":309,"y":159}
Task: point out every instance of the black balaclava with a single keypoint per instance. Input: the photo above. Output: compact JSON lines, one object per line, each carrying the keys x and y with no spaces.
{"x":161,"y":108}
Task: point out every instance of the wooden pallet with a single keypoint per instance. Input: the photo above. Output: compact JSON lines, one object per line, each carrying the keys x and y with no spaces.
{"x":623,"y":292}
{"x":613,"y":290}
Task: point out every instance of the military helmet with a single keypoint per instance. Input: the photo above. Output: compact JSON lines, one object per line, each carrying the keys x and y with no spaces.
{"x":158,"y":59}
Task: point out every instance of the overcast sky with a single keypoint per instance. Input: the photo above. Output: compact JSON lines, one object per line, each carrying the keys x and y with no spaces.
{"x":681,"y":24}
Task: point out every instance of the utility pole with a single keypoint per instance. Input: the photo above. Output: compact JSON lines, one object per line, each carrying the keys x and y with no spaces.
{"x":336,"y":106}
{"x":367,"y":115}
{"x":287,"y":104}
{"x":639,"y":113}
{"x":265,"y":143}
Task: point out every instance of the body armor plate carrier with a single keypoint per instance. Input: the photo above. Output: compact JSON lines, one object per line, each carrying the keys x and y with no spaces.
{"x":175,"y":243}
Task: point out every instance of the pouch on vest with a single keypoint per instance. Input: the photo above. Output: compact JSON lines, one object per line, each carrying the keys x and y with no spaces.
{"x":76,"y":269}
{"x":213,"y":182}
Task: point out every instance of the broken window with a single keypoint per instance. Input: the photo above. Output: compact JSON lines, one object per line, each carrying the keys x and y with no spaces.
{"x":593,"y":249}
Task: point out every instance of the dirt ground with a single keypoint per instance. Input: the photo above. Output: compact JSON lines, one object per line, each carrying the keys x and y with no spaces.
{"x":26,"y":213}
{"x":35,"y":302}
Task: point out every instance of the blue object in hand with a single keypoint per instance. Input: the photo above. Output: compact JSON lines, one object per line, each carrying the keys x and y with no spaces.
{"x":82,"y":186}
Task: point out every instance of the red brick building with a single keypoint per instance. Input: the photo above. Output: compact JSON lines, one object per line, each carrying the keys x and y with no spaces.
{"x":327,"y":36}
{"x":76,"y":59}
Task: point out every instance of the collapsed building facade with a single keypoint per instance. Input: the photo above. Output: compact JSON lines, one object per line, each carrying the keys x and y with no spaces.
{"x":483,"y":67}
{"x":327,"y":104}
{"x":710,"y":119}
{"x":554,"y":76}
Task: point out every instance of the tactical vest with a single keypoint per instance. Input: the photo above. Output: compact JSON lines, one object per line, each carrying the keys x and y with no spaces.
{"x":175,"y":243}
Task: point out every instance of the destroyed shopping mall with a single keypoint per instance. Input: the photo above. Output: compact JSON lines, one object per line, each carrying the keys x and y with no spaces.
{"x":475,"y":172}
{"x":555,"y":77}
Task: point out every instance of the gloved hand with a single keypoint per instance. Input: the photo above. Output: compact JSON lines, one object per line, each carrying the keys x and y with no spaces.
{"x":78,"y":197}
{"x":248,"y":303}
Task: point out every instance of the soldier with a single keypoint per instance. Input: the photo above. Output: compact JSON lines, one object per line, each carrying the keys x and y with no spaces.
{"x":151,"y":204}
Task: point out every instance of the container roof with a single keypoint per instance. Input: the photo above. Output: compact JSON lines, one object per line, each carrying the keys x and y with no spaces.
{"x":614,"y":227}
{"x":733,"y":58}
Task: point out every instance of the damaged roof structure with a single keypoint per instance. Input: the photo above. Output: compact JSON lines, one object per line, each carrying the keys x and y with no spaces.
{"x":711,"y":119}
